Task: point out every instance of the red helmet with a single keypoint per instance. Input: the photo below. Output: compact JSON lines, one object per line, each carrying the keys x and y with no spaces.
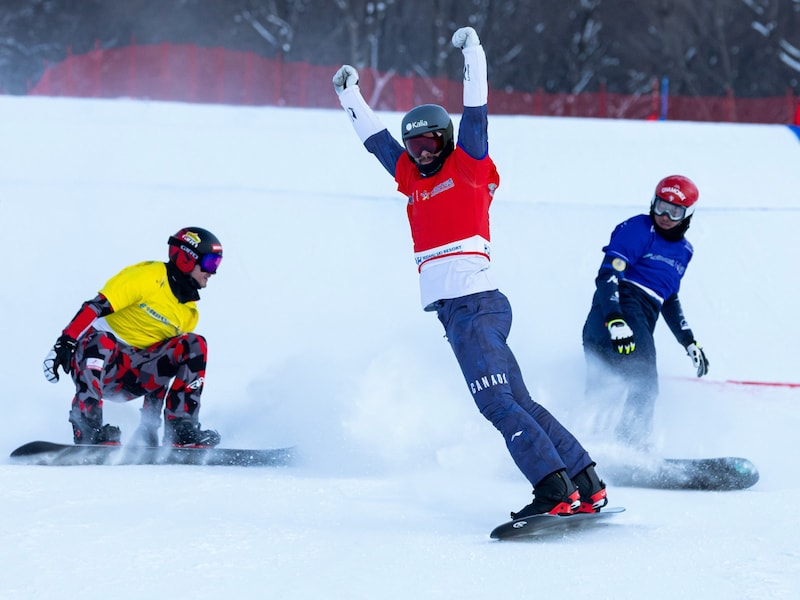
{"x":193,"y":245}
{"x":679,"y":190}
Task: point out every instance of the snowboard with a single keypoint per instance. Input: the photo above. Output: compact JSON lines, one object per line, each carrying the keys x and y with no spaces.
{"x":49,"y":453}
{"x":719,"y":474}
{"x":542,"y":525}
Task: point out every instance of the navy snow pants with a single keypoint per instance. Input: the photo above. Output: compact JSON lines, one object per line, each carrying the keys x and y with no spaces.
{"x":637,"y":370}
{"x":477,"y":327}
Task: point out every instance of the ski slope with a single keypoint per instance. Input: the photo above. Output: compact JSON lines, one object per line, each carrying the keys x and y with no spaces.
{"x":317,"y":340}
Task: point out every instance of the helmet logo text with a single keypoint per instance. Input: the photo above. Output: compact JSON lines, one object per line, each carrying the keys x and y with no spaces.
{"x":192,"y":238}
{"x":415,"y":124}
{"x":674,"y":190}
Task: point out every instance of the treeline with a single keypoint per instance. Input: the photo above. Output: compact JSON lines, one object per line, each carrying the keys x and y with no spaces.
{"x":750,"y":48}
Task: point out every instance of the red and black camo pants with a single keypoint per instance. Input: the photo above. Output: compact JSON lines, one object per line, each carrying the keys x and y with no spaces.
{"x":173,"y":370}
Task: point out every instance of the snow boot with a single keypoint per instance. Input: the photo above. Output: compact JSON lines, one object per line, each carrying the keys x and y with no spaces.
{"x":592,"y":491}
{"x":87,"y":431}
{"x":187,"y":434}
{"x":553,"y":495}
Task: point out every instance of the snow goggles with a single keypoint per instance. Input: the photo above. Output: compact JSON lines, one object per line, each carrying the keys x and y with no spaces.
{"x":675,"y":212}
{"x":424,"y":143}
{"x":209,"y":263}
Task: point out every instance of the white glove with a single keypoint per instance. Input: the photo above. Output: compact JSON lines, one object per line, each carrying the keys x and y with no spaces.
{"x":344,"y":78}
{"x":698,"y":357}
{"x":49,"y":367}
{"x":621,"y":336}
{"x":60,"y":356}
{"x":465,"y":37}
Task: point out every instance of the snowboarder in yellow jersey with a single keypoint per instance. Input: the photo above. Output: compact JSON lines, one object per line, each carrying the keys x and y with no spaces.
{"x":135,"y":338}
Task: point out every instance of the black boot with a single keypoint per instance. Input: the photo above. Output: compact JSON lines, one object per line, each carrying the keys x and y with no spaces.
{"x":554,"y":495}
{"x":592,"y":490}
{"x":87,"y":431}
{"x":187,"y":433}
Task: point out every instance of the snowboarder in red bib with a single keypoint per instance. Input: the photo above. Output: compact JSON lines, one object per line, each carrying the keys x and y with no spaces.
{"x":135,"y":338}
{"x":450,"y":187}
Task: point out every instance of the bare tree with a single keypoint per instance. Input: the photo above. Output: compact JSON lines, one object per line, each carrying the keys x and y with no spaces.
{"x":749,"y":47}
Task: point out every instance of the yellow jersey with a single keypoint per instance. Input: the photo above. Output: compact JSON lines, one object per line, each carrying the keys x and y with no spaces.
{"x":145,"y":309}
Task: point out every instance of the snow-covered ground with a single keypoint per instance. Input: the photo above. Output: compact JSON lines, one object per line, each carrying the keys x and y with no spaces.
{"x":317,"y":340}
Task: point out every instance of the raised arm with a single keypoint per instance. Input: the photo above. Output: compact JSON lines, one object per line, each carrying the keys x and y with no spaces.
{"x":371,"y":131}
{"x":473,"y":130}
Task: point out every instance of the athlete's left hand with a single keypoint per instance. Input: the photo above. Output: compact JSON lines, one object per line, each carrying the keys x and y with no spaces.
{"x":698,"y":357}
{"x":465,"y":37}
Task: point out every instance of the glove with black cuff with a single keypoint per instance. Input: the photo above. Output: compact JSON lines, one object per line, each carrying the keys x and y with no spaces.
{"x":60,"y":356}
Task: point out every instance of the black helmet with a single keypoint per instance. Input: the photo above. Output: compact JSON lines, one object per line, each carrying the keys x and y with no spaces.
{"x":428,"y":118}
{"x":193,"y":245}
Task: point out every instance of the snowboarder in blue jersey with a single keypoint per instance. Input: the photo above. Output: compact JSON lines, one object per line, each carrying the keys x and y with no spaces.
{"x":450,"y":188}
{"x":638,"y":280}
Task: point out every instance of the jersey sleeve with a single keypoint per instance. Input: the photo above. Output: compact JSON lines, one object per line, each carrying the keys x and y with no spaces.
{"x":370,"y":130}
{"x":672,"y":311}
{"x":611,"y":272}
{"x":473,"y":134}
{"x":386,"y":149}
{"x":92,"y":309}
{"x":364,"y":120}
{"x":623,"y":249}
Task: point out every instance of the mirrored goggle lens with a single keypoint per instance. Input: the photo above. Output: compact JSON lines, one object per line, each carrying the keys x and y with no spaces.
{"x":210,"y":263}
{"x":422,"y":143}
{"x":675,"y":212}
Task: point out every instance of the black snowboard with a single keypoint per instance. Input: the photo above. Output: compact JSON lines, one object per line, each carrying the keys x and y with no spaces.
{"x":48,"y":453}
{"x":541,"y":525}
{"x":725,"y":473}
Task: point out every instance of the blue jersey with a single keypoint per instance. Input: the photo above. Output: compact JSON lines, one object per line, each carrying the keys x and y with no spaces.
{"x":651,"y":262}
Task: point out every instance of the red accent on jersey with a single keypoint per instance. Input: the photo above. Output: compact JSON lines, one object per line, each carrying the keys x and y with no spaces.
{"x":451,"y":205}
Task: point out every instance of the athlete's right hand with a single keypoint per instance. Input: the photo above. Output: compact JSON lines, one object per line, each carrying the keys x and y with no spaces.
{"x":344,"y":78}
{"x":60,"y":356}
{"x":621,"y":335}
